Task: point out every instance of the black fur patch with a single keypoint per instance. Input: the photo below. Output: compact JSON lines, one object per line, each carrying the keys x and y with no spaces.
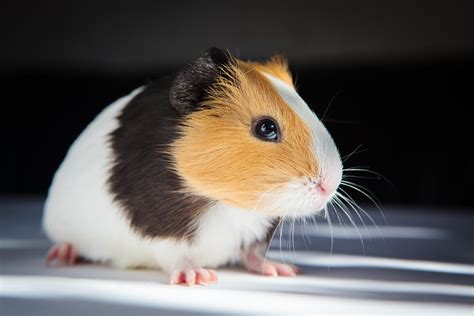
{"x":190,"y":85}
{"x":141,"y":178}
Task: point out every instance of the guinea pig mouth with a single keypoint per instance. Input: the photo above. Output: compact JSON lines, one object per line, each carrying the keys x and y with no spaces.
{"x":298,"y":199}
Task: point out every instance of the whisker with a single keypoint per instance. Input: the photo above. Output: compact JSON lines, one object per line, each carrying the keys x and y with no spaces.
{"x":364,"y":169}
{"x":359,"y":177}
{"x":329,"y":105}
{"x":346,"y":211}
{"x":305,"y":233}
{"x":341,"y":223}
{"x":355,"y":151}
{"x":361,"y":189}
{"x":271,"y":240}
{"x":350,"y":201}
{"x":343,"y":197}
{"x":328,"y":217}
{"x":293,"y":239}
{"x":281,"y":233}
{"x":315,"y":222}
{"x":290,"y":241}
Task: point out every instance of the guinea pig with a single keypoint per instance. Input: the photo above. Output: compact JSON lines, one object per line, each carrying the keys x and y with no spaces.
{"x":192,"y":172}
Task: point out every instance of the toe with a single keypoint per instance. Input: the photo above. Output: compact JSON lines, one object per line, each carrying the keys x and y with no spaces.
{"x":213,"y":275}
{"x":53,"y":253}
{"x":64,"y":253}
{"x":269,"y":270}
{"x":67,"y":254}
{"x":285,"y":270}
{"x":177,"y":277}
{"x":203,"y":277}
{"x":72,"y":255}
{"x":190,"y":277}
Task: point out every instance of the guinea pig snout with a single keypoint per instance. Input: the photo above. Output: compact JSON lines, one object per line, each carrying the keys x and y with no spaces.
{"x":321,"y":185}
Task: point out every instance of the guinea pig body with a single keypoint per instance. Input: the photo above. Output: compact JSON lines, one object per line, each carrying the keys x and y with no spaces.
{"x":80,"y":209}
{"x":193,"y":172}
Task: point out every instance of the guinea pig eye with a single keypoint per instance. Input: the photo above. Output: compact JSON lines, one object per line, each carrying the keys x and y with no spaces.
{"x":266,"y":129}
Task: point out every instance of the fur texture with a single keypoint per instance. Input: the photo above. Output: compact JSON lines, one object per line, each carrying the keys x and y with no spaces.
{"x":219,"y":157}
{"x":141,"y":179}
{"x":173,"y":176}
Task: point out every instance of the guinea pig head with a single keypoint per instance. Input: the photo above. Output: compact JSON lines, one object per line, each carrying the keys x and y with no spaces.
{"x":246,"y":137}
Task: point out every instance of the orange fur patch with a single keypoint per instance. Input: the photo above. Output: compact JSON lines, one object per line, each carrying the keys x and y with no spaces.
{"x":217,"y":154}
{"x":276,"y":66}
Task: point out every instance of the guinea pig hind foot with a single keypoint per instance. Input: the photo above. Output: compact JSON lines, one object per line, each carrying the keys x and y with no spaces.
{"x":257,"y":263}
{"x":64,"y":253}
{"x":193,"y":276}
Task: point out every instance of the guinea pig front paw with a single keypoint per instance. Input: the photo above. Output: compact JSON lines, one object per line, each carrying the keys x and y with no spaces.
{"x":257,"y":264}
{"x":193,"y":276}
{"x":64,"y":253}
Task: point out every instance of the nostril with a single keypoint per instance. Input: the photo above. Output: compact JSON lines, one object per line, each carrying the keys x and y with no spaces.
{"x":322,"y":187}
{"x":319,"y":185}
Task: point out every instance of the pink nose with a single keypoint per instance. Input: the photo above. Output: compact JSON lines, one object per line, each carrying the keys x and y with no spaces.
{"x":322,"y":187}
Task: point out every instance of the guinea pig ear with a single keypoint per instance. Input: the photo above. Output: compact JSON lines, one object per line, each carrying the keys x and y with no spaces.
{"x":190,"y":85}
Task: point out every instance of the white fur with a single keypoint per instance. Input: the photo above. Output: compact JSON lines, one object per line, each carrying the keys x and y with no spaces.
{"x":296,"y":199}
{"x":80,"y":210}
{"x":223,"y":232}
{"x":323,"y":145}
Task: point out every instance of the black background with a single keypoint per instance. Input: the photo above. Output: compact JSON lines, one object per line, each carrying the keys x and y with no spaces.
{"x":398,"y":76}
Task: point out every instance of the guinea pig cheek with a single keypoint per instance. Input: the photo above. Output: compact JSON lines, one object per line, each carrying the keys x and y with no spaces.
{"x":307,"y":189}
{"x":220,"y":160}
{"x":304,"y":192}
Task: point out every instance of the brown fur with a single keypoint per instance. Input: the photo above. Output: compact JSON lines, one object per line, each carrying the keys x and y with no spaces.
{"x":217,"y":155}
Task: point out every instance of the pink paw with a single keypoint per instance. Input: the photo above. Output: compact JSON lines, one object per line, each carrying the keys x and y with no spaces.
{"x":257,"y":264}
{"x":65,"y":253}
{"x":192,"y":277}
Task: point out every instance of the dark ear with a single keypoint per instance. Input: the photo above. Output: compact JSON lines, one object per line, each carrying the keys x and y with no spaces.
{"x":189,"y":86}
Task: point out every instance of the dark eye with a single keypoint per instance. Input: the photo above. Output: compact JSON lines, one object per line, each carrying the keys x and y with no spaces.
{"x":266,"y":129}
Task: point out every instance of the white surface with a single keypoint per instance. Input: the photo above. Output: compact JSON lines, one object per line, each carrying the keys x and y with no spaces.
{"x":400,"y":274}
{"x":226,"y":298}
